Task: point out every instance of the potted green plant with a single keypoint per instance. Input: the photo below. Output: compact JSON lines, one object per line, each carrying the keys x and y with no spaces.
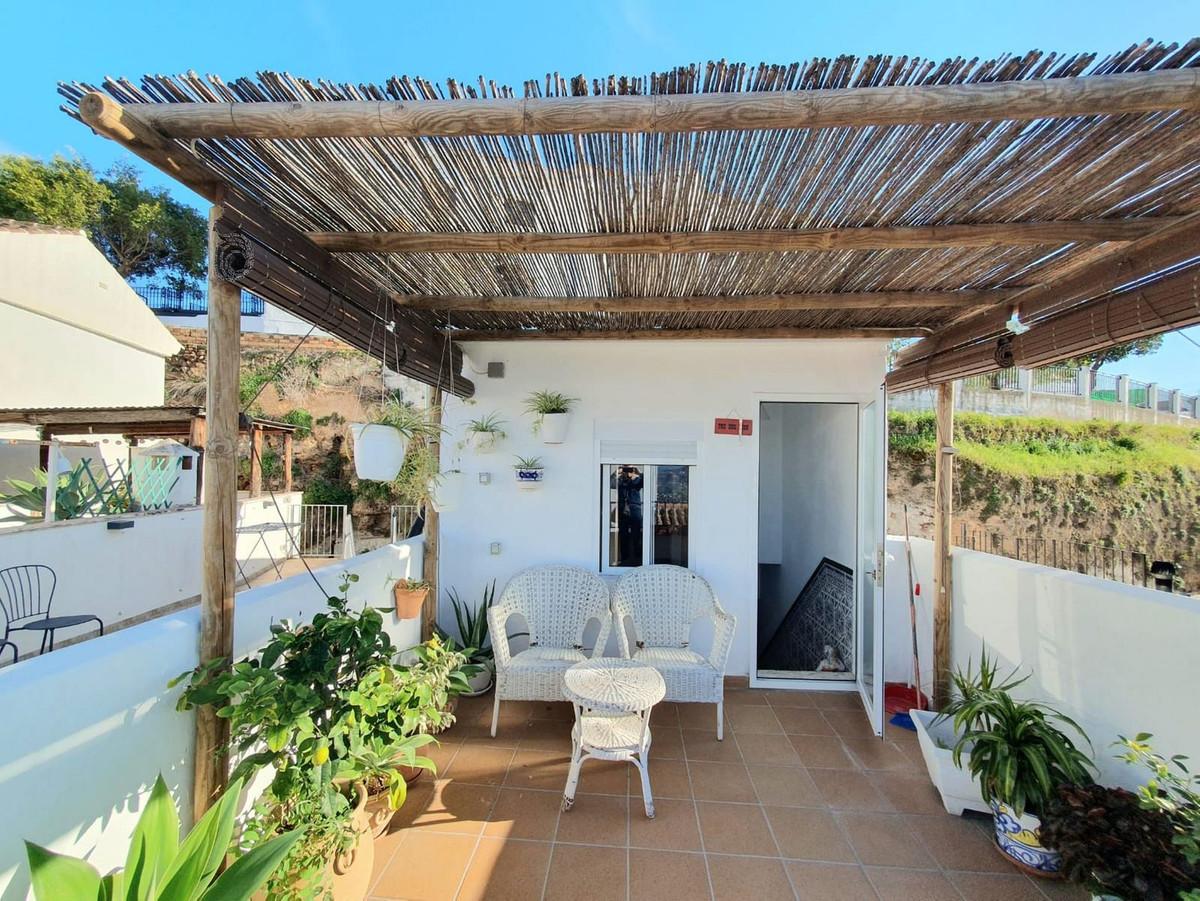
{"x":485,"y":433}
{"x":1020,"y":757}
{"x":529,"y":471}
{"x":552,"y":414}
{"x":159,"y":866}
{"x":410,"y":596}
{"x":473,"y":634}
{"x":381,"y":444}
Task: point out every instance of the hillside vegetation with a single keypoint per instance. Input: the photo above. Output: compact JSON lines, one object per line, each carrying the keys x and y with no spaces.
{"x":1126,"y":485}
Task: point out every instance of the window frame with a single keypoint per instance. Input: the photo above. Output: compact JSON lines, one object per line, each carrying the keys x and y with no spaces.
{"x":649,"y":490}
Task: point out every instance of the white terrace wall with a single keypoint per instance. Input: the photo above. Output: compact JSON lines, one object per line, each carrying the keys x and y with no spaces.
{"x":122,"y":574}
{"x":1118,"y":659}
{"x":640,"y":391}
{"x":87,"y":728}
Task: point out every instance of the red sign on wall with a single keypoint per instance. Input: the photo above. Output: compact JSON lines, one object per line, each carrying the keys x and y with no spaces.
{"x":726,"y":427}
{"x":747,"y":426}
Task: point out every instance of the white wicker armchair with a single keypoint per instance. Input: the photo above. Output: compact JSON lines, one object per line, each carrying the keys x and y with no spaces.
{"x":557,"y":602}
{"x":663,"y":602}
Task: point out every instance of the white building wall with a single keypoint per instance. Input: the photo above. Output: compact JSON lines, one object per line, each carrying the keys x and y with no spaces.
{"x":639,"y":390}
{"x":89,"y":727}
{"x":47,"y":363}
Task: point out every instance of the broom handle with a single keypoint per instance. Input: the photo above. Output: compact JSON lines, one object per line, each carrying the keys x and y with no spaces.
{"x":912,"y":609}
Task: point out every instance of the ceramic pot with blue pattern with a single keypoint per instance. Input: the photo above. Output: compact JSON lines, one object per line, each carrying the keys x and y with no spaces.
{"x":1019,"y":838}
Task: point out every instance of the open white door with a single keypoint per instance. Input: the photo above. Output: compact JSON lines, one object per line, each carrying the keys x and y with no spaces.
{"x":872,"y":497}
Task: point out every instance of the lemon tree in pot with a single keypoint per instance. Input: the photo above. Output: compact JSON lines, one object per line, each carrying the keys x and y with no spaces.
{"x":1020,"y":756}
{"x":552,"y":414}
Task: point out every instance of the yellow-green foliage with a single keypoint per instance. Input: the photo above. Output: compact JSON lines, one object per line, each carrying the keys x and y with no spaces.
{"x":1050,"y":448}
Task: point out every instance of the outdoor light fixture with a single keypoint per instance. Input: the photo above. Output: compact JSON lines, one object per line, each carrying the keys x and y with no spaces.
{"x":485,"y":478}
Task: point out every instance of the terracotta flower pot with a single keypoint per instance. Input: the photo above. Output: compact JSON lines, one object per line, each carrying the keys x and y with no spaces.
{"x":348,"y":876}
{"x":409,"y":601}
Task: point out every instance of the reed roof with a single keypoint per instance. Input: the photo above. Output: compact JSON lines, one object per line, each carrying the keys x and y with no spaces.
{"x":1077,"y":168}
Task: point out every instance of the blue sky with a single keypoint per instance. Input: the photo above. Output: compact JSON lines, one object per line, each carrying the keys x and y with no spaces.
{"x":513,"y":41}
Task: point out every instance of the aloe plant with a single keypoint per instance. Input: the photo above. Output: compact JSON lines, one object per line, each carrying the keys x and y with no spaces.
{"x":159,"y":866}
{"x":473,"y":625}
{"x":75,"y":496}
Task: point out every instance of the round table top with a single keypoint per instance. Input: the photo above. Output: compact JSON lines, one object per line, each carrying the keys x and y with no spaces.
{"x":614,"y":685}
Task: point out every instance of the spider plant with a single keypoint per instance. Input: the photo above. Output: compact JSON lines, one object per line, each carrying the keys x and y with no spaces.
{"x":528,"y":463}
{"x":545,"y":403}
{"x":473,"y":626}
{"x":487,"y":425}
{"x":409,"y":420}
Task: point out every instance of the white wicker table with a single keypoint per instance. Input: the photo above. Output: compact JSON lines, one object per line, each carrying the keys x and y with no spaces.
{"x":612,"y":699}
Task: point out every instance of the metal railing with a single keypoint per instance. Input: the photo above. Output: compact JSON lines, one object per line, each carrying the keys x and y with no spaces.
{"x":1139,"y":394}
{"x":324,"y":531}
{"x":1001,"y":380}
{"x":1105,"y":387}
{"x":1101,"y":561}
{"x":403,"y":516}
{"x":1056,"y":380}
{"x":167,"y":301}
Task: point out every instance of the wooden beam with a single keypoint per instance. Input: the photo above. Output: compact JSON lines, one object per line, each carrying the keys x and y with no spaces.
{"x":957,"y":300}
{"x":289,"y":451}
{"x":943,"y":587}
{"x":878,"y":334}
{"x":1162,"y":248}
{"x":429,"y":563}
{"x":772,"y":240}
{"x":211,"y":764}
{"x":1035,"y":98}
{"x":256,"y":451}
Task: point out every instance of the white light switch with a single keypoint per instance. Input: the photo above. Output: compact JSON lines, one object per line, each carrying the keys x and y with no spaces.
{"x":495,"y":548}
{"x":485,"y":478}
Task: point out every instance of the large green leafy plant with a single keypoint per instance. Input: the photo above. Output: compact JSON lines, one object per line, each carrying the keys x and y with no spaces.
{"x":1016,"y":749}
{"x":473,"y":625}
{"x":159,"y":867}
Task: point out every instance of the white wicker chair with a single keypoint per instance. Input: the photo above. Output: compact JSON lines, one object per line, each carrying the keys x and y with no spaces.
{"x":663,"y":602}
{"x":558,"y":602}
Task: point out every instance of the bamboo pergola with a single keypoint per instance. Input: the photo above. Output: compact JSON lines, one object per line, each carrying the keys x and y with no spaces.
{"x":866,"y":198}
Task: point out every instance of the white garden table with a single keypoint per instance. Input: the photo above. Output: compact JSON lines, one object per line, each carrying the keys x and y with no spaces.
{"x":612,"y":699}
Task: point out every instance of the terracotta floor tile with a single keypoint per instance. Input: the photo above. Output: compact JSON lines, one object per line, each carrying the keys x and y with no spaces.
{"x":876,"y":754}
{"x":911,"y":885}
{"x":546,"y":735}
{"x":822,"y":751}
{"x":885,"y":840}
{"x":480,"y":764}
{"x":720,"y":781}
{"x":803,"y":721}
{"x":666,"y":715}
{"x":957,"y":843}
{"x":808,"y":833}
{"x":460,"y":807}
{"x":480,"y":730}
{"x":668,"y":779}
{"x":840,"y":700}
{"x":386,"y":847}
{"x":587,"y":873}
{"x":700,"y":716}
{"x":995,"y":886}
{"x":524,"y":814}
{"x":426,"y":867}
{"x":441,"y":753}
{"x":848,"y":790}
{"x":771,"y":749}
{"x":560,"y":711}
{"x":595,"y":820}
{"x":787,"y":786}
{"x":828,"y":881}
{"x":667,"y":876}
{"x":673,"y":828}
{"x":745,"y":719}
{"x":739,"y":878}
{"x":1061,"y":890}
{"x":850,"y":723}
{"x":787,"y":698}
{"x":735,"y":829}
{"x":533,"y":768}
{"x":605,"y":777}
{"x":702,"y":745}
{"x":908,"y":793}
{"x":666,"y":744}
{"x":753,"y":696}
{"x":506,"y":871}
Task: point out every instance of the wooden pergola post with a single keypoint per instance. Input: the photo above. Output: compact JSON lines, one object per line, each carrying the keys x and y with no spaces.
{"x":429,"y":565}
{"x":256,"y":452}
{"x":943,"y":588}
{"x":220,"y":518}
{"x":289,"y":451}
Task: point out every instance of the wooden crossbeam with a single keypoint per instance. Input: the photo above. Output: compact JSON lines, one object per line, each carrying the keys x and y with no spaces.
{"x":878,"y":334}
{"x":880,"y":300}
{"x":773,"y":240}
{"x":1114,"y":94}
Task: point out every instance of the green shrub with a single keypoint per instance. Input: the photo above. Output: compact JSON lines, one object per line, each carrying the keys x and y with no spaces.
{"x":301,"y":419}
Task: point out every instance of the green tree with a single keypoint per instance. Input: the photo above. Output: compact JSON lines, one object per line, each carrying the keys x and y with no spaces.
{"x":1099,"y":358}
{"x":142,"y":231}
{"x":63,"y":193}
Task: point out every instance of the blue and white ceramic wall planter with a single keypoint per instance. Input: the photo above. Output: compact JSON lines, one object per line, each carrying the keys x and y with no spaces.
{"x":529,"y":477}
{"x":1019,"y":838}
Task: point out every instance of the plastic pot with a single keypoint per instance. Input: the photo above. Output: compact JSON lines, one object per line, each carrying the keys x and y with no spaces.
{"x":378,"y":451}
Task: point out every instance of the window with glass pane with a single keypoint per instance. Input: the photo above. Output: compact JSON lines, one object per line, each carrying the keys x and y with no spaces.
{"x":646,"y":515}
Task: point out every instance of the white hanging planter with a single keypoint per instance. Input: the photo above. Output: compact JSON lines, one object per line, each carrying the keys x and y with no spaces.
{"x":446,"y":490}
{"x":378,"y":451}
{"x":529,"y":477}
{"x":484,"y":442}
{"x":554,"y":427}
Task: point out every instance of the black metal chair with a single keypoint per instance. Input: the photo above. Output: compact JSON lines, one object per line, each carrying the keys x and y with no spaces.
{"x":26,"y":593}
{"x":9,"y":644}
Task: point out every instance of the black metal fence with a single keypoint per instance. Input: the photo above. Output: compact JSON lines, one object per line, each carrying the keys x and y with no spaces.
{"x":168,"y":301}
{"x":1102,"y":561}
